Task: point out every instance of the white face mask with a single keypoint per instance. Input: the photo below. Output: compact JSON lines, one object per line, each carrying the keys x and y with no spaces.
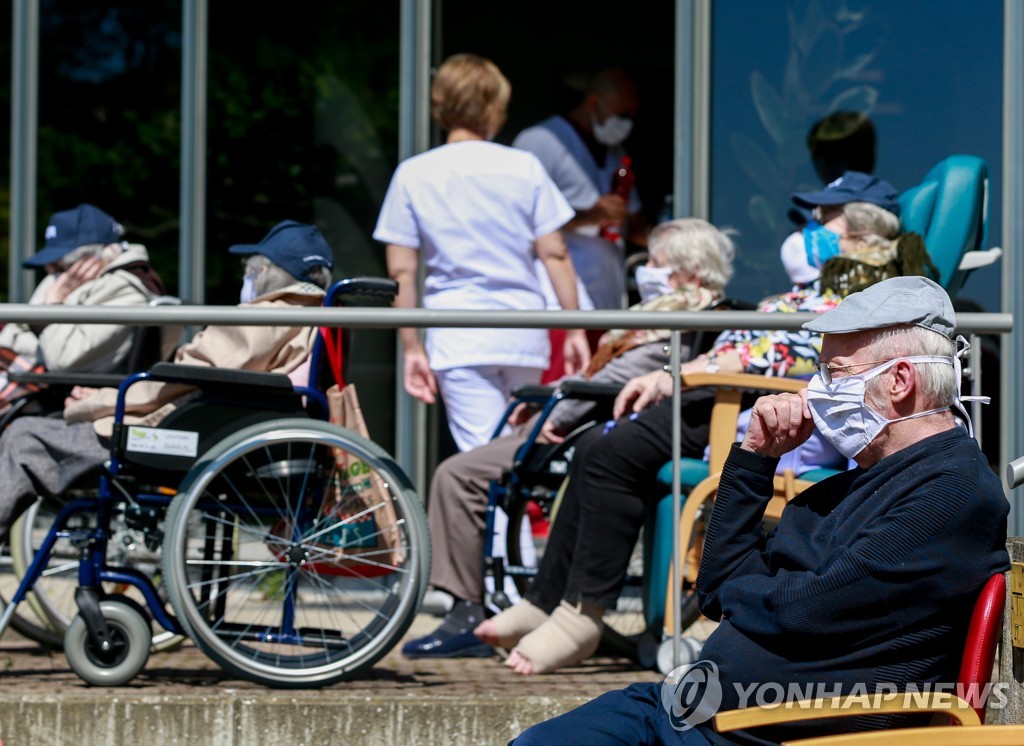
{"x":652,"y":282}
{"x":612,"y":130}
{"x":844,"y":418}
{"x":248,"y":294}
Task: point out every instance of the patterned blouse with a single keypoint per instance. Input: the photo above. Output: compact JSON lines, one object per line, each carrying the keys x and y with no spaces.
{"x":780,"y":353}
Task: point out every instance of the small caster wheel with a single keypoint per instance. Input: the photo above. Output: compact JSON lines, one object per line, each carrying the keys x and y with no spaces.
{"x":130,"y":638}
{"x":501,"y":600}
{"x":689,"y":651}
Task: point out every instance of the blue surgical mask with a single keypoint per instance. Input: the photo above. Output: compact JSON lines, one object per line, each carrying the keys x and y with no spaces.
{"x":652,"y":282}
{"x":248,"y":294}
{"x":843,"y":417}
{"x":820,"y":243}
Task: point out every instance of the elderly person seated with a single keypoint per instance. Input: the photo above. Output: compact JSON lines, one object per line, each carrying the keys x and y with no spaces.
{"x":690,"y":261}
{"x":87,"y":264}
{"x":290,"y":266}
{"x":612,"y":476}
{"x":869,"y":580}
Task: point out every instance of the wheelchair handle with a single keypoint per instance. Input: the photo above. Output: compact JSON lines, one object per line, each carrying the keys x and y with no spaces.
{"x":377,"y":288}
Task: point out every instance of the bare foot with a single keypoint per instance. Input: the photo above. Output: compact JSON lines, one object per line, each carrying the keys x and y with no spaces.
{"x":570,"y":635}
{"x":519,"y":663}
{"x":487,"y":632}
{"x":508,"y":627}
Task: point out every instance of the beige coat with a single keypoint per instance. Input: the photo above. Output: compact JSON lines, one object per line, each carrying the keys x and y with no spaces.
{"x":269,"y":349}
{"x":85,"y":348}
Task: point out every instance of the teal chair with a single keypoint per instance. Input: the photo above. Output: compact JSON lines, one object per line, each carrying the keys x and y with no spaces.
{"x":949,"y":209}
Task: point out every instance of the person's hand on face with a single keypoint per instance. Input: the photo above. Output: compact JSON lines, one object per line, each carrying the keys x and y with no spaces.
{"x":778,"y":424}
{"x":84,"y":270}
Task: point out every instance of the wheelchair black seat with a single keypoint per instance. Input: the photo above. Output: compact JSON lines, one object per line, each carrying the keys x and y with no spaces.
{"x":226,"y":401}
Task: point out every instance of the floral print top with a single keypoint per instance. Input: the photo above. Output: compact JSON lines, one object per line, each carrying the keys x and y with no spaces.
{"x":780,"y":353}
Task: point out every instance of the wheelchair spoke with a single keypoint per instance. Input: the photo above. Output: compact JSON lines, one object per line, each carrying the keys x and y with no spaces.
{"x":296,"y":579}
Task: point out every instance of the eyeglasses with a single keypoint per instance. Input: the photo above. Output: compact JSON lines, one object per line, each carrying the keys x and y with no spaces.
{"x":825,"y":370}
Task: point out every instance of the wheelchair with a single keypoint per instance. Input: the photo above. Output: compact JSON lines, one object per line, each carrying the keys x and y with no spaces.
{"x":261,"y":558}
{"x":48,"y":616}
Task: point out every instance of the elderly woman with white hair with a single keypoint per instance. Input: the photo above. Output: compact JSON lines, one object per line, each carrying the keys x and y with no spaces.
{"x":690,"y":261}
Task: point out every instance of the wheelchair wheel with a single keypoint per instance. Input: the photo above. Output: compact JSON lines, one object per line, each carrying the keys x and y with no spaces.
{"x":296,"y":553}
{"x":626,"y":622}
{"x":53,"y":598}
{"x":130,"y":634}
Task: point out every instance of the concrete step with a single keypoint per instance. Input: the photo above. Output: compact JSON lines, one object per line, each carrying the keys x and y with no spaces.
{"x":183,"y":698}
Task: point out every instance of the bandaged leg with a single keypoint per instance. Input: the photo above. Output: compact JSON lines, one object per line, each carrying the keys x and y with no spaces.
{"x":570,"y":635}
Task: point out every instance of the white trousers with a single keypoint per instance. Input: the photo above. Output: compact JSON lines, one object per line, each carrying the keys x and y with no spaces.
{"x":475,"y":398}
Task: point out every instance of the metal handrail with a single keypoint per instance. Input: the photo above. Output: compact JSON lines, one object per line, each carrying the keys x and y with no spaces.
{"x":967,"y":323}
{"x":972,"y":324}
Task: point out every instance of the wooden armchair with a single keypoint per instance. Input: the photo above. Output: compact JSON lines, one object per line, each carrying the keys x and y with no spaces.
{"x":983,"y":636}
{"x":731,"y":390}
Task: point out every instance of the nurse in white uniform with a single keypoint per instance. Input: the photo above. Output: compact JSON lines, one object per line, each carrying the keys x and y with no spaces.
{"x":478,"y":215}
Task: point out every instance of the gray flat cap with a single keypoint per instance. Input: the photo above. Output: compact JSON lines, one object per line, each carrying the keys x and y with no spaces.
{"x":892,"y":302}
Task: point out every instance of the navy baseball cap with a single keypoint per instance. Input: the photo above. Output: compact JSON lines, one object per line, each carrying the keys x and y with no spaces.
{"x":853,"y":186}
{"x":82,"y":226}
{"x":294,"y":247}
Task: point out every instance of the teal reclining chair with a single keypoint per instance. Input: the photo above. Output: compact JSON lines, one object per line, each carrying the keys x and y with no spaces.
{"x":949,"y":209}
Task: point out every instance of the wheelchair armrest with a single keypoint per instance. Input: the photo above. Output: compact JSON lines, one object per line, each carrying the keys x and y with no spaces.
{"x":727,"y":303}
{"x":372,"y":288}
{"x":92,"y":380}
{"x":204,"y":377}
{"x":589,"y":390}
{"x":533,"y":391}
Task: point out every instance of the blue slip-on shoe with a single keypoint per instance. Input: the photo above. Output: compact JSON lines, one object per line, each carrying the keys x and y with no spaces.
{"x":442,"y":643}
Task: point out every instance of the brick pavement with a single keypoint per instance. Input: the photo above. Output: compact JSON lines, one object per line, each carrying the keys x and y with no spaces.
{"x":26,"y":668}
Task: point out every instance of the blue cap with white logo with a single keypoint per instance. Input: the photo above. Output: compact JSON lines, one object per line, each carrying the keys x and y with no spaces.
{"x":84,"y":225}
{"x":295,"y":247}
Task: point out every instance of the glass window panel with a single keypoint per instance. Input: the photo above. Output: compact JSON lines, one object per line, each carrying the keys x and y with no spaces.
{"x":930,"y":80}
{"x":109,"y":130}
{"x":303,"y":125}
{"x":5,"y":144}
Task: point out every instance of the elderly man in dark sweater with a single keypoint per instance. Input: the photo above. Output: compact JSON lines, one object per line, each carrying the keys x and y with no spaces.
{"x":868,"y":582}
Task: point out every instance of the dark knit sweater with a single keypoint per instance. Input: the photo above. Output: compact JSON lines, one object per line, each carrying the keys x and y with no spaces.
{"x":869,"y":579}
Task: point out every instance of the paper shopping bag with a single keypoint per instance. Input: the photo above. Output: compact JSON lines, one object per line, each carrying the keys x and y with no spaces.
{"x":364,"y":538}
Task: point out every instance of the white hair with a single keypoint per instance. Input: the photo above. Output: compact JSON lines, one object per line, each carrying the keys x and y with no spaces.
{"x":936,"y":380}
{"x":274,"y":278}
{"x":694,"y":246}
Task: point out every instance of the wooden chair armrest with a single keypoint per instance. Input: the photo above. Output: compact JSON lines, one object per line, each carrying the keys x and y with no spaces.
{"x":745,"y":382}
{"x":972,"y":735}
{"x":816,"y":709}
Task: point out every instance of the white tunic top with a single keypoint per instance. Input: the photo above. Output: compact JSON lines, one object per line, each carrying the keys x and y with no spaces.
{"x":474,"y":210}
